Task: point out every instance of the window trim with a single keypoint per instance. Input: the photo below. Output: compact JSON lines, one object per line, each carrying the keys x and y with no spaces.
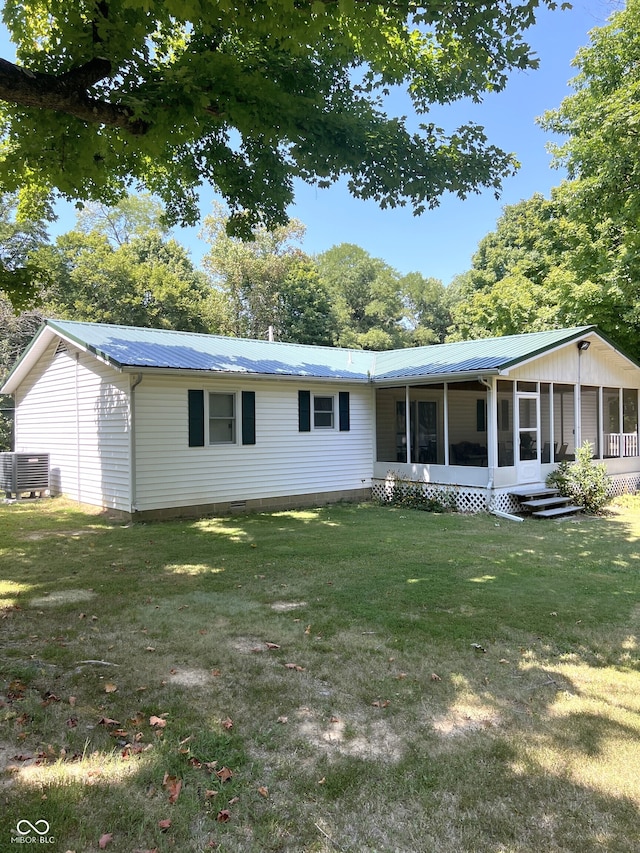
{"x":315,"y":412}
{"x":233,"y":418}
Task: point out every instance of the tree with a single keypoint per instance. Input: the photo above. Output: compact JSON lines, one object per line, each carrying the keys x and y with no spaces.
{"x":247,"y":96}
{"x":120,"y":267}
{"x":266,"y":282}
{"x":427,"y":309}
{"x":21,"y":276}
{"x":16,"y":332}
{"x":602,"y":158}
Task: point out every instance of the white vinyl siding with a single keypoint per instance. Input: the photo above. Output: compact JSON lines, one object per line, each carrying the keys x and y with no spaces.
{"x":282,"y":462}
{"x":77,"y":411}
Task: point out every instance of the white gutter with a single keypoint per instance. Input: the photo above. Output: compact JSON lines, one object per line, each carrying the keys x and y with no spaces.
{"x":132,"y":442}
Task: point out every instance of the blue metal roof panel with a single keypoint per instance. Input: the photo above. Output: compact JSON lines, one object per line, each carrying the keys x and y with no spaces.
{"x":470,"y":356}
{"x":127,"y":346}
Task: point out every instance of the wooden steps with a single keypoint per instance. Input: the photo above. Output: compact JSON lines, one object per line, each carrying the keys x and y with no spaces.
{"x":542,"y":502}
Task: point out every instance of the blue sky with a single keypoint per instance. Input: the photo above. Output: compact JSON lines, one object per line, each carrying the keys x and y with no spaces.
{"x":440,"y":243}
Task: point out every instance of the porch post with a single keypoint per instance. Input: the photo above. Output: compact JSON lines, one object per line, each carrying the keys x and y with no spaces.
{"x":407,"y":423}
{"x":600,"y":422}
{"x":445,"y":414}
{"x":492,"y":422}
{"x":621,"y":417}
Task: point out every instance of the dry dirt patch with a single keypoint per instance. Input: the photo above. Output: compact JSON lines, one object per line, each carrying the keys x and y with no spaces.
{"x":63,"y":596}
{"x":190,"y":677}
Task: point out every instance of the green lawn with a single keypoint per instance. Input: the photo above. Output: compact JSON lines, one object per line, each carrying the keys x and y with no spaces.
{"x":352,"y":678}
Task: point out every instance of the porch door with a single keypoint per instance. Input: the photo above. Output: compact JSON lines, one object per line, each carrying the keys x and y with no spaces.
{"x":528,"y":438}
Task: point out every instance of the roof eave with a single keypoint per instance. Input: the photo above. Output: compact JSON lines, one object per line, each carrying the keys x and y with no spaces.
{"x":435,"y":378}
{"x":236,"y":374}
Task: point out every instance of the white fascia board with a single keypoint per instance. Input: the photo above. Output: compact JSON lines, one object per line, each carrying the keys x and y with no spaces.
{"x":239,"y":376}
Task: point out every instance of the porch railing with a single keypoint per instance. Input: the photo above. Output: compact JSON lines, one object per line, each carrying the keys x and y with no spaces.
{"x":621,"y":444}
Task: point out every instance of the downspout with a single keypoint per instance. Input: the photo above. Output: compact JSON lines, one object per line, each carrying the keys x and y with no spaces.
{"x":492,"y":444}
{"x":77,"y":396}
{"x":132,"y":442}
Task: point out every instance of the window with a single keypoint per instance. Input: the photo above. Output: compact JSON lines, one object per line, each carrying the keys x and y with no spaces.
{"x":222,"y":418}
{"x":228,"y":420}
{"x":319,"y":411}
{"x":323,"y":412}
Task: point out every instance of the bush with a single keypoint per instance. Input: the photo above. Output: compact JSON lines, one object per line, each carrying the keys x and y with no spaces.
{"x":584,"y":481}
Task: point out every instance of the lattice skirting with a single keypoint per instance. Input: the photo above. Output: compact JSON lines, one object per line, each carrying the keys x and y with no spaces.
{"x":624,"y":484}
{"x":469,"y":499}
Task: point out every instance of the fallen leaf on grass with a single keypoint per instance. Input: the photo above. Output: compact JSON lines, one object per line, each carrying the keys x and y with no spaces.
{"x":294,"y":666}
{"x":110,"y":688}
{"x":224,"y":774}
{"x":209,"y":795}
{"x":107,"y":721}
{"x":104,"y":840}
{"x":215,"y":673}
{"x":157,"y":722}
{"x":227,"y":724}
{"x":272,"y":646}
{"x":263,"y":791}
{"x":173,"y":785}
{"x":283,"y":720}
{"x":223,"y":816}
{"x":435,"y":677}
{"x":164,"y":824}
{"x":381,"y":703}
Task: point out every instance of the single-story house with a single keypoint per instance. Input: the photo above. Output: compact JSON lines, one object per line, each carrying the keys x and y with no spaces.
{"x":154,"y":423}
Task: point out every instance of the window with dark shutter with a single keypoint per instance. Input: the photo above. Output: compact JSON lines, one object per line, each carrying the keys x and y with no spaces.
{"x":196,"y":418}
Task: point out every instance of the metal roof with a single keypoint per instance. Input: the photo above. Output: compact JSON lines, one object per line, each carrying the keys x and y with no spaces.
{"x":485,"y":354}
{"x":128,"y":347}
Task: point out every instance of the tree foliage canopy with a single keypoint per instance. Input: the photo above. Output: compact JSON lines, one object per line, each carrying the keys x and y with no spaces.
{"x":247,"y":96}
{"x":573,"y":259}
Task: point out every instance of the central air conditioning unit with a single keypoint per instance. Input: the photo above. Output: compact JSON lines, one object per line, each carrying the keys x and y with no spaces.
{"x":24,"y":472}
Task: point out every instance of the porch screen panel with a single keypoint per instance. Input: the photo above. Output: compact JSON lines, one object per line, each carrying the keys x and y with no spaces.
{"x":590,"y":417}
{"x":505,"y":423}
{"x":630,"y":421}
{"x":611,"y":420}
{"x":563,"y":421}
{"x":545,"y":423}
{"x":528,"y":415}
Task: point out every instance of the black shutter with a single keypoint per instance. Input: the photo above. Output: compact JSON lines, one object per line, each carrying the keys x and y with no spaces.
{"x":196,"y":418}
{"x":304,"y":411}
{"x":343,"y":409}
{"x":248,"y":417}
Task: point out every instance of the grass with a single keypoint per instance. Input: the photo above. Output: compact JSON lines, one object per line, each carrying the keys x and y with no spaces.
{"x":352,"y":678}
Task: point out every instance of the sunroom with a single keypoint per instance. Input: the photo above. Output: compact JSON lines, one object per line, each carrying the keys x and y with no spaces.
{"x":513,"y":421}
